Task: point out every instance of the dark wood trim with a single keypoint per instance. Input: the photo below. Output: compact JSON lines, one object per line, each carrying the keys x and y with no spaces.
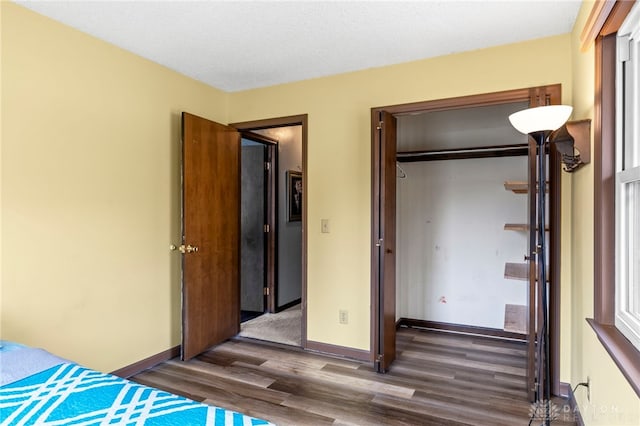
{"x":288,"y":305}
{"x":624,"y":354}
{"x":494,"y":98}
{"x":567,"y":393}
{"x":460,"y":328}
{"x":376,"y":145}
{"x":272,"y":180}
{"x":257,"y":137}
{"x":341,"y":351}
{"x":604,"y":181}
{"x":152,"y":361}
{"x":605,"y":18}
{"x":463,"y":153}
{"x":617,"y":16}
{"x":269,"y":123}
{"x":292,"y":120}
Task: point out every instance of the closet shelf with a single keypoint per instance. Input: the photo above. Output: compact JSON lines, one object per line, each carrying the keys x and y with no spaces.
{"x":519,"y":227}
{"x":515,"y":318}
{"x":516,"y":271}
{"x":519,"y":187}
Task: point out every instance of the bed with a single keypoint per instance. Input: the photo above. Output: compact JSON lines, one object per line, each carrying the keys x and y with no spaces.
{"x":38,"y":388}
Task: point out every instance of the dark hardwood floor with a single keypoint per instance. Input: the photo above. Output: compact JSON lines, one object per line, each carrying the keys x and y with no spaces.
{"x":437,"y":379}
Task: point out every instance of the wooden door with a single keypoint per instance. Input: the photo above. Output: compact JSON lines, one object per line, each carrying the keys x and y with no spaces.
{"x":210,"y":234}
{"x":385,"y":242}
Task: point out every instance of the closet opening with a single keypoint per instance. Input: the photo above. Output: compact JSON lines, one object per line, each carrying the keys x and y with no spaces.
{"x":450,"y":210}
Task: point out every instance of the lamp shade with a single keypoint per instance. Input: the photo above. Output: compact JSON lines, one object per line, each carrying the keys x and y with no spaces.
{"x":541,"y":118}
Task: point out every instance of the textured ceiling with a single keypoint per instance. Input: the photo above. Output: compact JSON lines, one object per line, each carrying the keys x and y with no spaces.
{"x":238,"y":45}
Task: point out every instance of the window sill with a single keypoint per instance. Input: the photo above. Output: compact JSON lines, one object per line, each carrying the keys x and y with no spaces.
{"x":623,"y":353}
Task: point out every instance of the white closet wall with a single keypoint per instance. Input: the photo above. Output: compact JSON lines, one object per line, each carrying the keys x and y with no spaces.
{"x":451,"y":242}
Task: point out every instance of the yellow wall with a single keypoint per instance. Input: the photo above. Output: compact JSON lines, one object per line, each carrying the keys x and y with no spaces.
{"x":90,"y":181}
{"x":90,"y":192}
{"x":613,"y":401}
{"x":339,"y":157}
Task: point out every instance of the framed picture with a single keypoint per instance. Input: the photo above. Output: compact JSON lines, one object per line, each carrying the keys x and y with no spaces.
{"x":294,"y":196}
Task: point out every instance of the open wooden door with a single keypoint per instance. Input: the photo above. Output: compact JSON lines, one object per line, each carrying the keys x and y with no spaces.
{"x":384,"y":247}
{"x":210,"y":234}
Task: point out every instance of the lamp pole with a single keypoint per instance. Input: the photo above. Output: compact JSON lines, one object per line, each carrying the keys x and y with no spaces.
{"x":541,"y":137}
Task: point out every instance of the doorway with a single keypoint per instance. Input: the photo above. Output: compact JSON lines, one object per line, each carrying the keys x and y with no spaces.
{"x":384,"y":204}
{"x":284,"y":318}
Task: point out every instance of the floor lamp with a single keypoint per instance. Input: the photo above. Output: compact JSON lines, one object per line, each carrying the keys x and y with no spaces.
{"x":538,"y":123}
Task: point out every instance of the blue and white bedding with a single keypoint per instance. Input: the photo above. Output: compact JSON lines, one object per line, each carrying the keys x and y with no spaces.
{"x":66,"y":393}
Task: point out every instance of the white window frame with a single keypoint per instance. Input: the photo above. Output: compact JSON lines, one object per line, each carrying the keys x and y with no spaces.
{"x":627,"y":309}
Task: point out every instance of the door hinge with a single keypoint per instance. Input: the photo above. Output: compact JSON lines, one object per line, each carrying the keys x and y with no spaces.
{"x":266,"y":228}
{"x":267,"y":166}
{"x":380,"y":124}
{"x":265,"y":291}
{"x":379,"y":358}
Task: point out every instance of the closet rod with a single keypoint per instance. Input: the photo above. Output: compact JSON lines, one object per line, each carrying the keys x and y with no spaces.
{"x":463,"y":153}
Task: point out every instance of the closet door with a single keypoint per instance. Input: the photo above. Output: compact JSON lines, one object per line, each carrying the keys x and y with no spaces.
{"x":385,"y":243}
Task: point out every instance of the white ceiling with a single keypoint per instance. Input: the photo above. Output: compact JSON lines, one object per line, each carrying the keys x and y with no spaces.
{"x":239,"y":45}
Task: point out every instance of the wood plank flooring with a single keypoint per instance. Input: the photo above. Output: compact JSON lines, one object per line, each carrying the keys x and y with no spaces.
{"x":437,"y":379}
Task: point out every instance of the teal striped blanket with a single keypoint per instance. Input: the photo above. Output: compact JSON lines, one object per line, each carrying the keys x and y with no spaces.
{"x":68,"y":394}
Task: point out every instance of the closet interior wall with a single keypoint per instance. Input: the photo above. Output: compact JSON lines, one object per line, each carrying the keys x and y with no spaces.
{"x":452,"y":246}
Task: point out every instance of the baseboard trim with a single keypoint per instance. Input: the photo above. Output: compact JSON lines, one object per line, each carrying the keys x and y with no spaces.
{"x":567,"y":393}
{"x":288,"y":305}
{"x":460,"y":328}
{"x":153,"y":360}
{"x":341,"y":351}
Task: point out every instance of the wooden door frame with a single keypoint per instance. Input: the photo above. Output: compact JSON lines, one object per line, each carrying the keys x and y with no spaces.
{"x":535,"y":96}
{"x":271,"y":217}
{"x":293,"y":120}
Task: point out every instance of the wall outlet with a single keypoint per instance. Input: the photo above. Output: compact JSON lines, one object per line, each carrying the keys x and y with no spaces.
{"x":343,"y":316}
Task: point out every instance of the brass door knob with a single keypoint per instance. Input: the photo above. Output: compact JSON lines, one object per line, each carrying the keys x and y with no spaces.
{"x":184,"y":249}
{"x":188,"y":249}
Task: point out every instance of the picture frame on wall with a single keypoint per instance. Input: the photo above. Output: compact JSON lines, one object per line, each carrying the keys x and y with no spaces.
{"x":294,"y":196}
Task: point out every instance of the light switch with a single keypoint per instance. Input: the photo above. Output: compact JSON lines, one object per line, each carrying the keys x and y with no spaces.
{"x":324,"y":226}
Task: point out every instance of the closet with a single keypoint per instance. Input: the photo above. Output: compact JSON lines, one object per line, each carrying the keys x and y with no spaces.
{"x":463,"y":241}
{"x":456,"y":155}
{"x":460,"y":235}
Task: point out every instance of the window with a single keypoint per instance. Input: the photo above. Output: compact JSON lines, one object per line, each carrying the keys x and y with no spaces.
{"x":627,"y":179}
{"x":616,"y":309}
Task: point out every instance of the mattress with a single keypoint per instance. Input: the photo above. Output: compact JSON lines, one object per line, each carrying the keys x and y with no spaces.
{"x":38,"y":388}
